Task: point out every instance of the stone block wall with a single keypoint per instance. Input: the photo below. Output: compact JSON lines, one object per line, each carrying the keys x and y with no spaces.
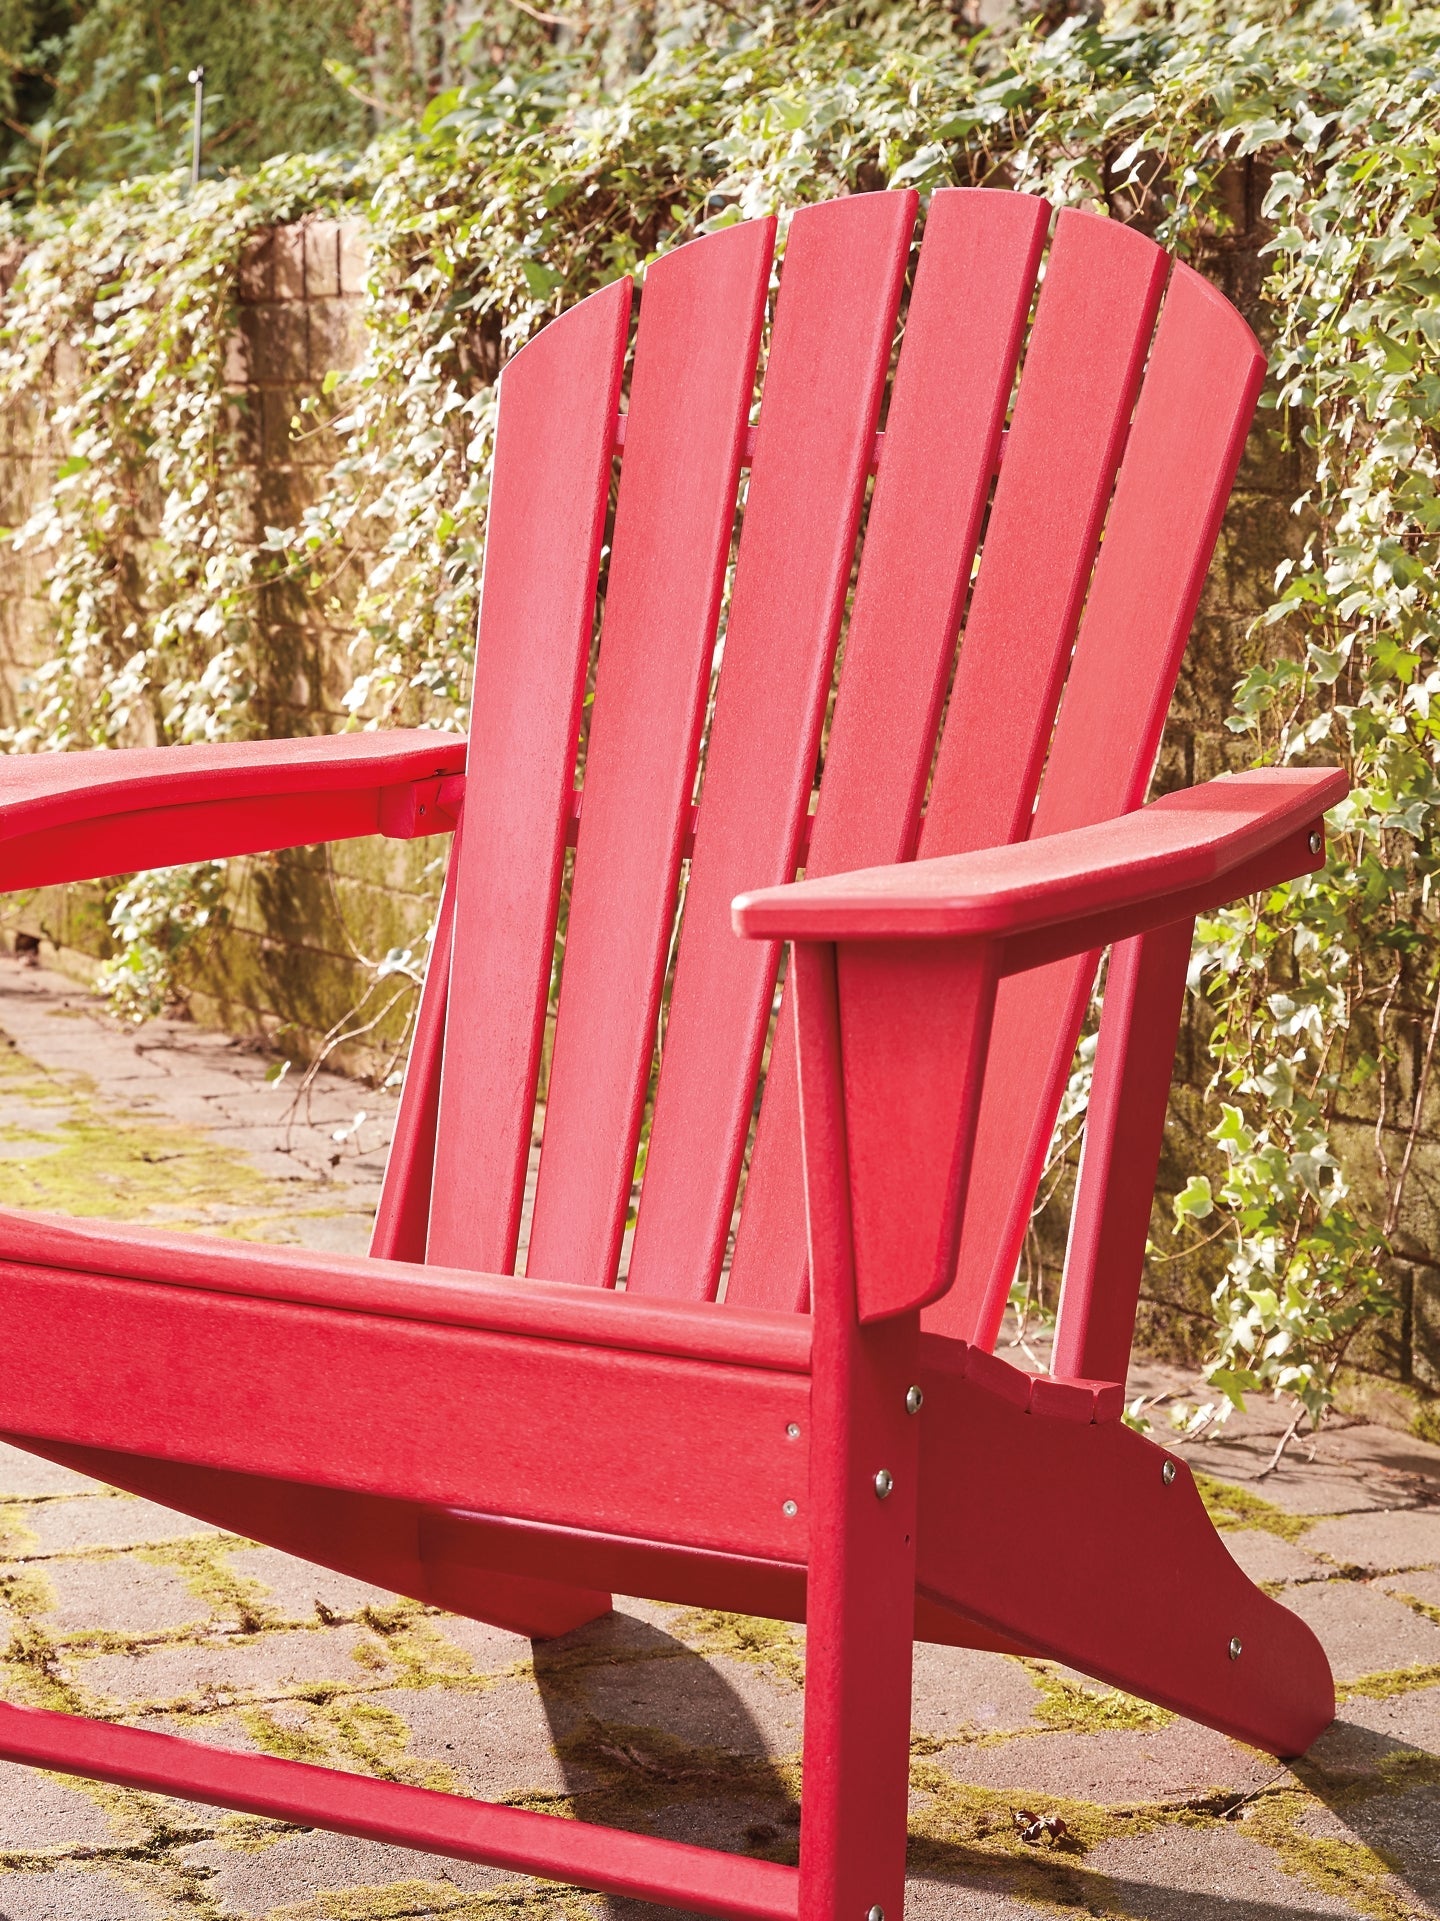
{"x":290,"y":966}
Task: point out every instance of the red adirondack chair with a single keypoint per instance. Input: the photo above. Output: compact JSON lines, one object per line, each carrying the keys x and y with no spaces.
{"x":835,"y":1441}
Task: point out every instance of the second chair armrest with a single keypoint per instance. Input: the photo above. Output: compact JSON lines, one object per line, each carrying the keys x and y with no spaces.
{"x":1065,"y":893}
{"x":67,"y":817}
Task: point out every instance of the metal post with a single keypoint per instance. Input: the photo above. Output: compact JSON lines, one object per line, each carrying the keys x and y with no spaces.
{"x":197,"y":81}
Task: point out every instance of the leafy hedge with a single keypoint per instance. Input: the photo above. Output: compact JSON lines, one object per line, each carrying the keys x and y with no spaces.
{"x":519,"y":193}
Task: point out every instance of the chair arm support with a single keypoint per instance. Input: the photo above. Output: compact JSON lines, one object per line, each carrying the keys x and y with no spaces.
{"x":1066,"y":893}
{"x":68,"y":817}
{"x":917,"y":950}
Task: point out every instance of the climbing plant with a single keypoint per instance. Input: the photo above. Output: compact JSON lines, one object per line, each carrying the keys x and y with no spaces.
{"x":516,"y":194}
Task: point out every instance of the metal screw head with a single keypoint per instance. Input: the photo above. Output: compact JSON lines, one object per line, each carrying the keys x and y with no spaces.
{"x":1317,"y":841}
{"x":884,"y":1481}
{"x":1234,"y":1647}
{"x":793,"y":1431}
{"x":877,"y":1913}
{"x":790,"y":1509}
{"x":1167,"y":1473}
{"x":914,"y":1400}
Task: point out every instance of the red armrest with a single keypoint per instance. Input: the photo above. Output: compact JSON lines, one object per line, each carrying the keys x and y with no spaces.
{"x":1066,"y":893}
{"x":67,"y":817}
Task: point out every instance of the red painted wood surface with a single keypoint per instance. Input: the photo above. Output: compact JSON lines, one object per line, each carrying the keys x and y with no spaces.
{"x":444,"y":1415}
{"x":82,"y":816}
{"x":608,"y":1859}
{"x":915,"y":1025}
{"x":515,"y":1449}
{"x":1124,"y":1132}
{"x":1150,"y":1597}
{"x":825,"y":373}
{"x":548,"y":491}
{"x":402,"y":1219}
{"x":974,"y":280}
{"x":448,"y":1297}
{"x":1072,"y":413}
{"x":1157,"y":855}
{"x":689,"y":403}
{"x":864,"y":1480}
{"x":1106,"y":1488}
{"x":1184,"y":446}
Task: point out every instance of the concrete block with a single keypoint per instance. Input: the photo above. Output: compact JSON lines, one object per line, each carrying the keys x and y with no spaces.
{"x":1362,"y":1630}
{"x":318,"y":1873}
{"x":299,"y":1589}
{"x":281,"y":1660}
{"x":37,"y":1811}
{"x":276,"y":335}
{"x":1266,"y":1557}
{"x":288,"y":263}
{"x":1377,"y":1542}
{"x":110,"y":1520}
{"x":1180,"y":1873}
{"x":123,"y":1595}
{"x":257,"y":268}
{"x":354,"y":256}
{"x":322,"y":258}
{"x":92,"y":1893}
{"x":1114,"y":1766}
{"x":337,"y":336}
{"x":498,"y":1743}
{"x":22,"y":1473}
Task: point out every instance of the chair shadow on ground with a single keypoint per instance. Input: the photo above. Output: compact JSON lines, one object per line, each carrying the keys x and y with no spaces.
{"x":1383,"y":1792}
{"x":653,"y":1736}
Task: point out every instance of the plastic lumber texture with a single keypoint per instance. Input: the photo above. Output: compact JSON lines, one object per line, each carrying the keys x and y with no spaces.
{"x":1181,"y":454}
{"x":66,"y":817}
{"x":830,"y":349}
{"x":941,"y":446}
{"x":516,"y":1449}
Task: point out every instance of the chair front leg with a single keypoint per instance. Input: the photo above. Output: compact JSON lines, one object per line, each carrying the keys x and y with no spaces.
{"x":864,"y":1474}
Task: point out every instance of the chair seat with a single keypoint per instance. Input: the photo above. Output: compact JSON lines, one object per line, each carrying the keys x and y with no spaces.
{"x":456,"y":1297}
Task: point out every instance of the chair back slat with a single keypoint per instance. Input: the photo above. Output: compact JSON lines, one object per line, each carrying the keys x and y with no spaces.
{"x":548,"y":496}
{"x":1184,"y":449}
{"x":402,"y":1219}
{"x":963,"y":330}
{"x":694,"y":373}
{"x":830,"y":351}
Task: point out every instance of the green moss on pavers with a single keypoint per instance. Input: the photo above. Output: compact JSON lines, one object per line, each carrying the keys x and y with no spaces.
{"x":202,"y":1565}
{"x":17,"y":1537}
{"x":30,"y":1672}
{"x":1385,"y":1685}
{"x":1231,"y":1507}
{"x":112,"y":1164}
{"x":1348,"y":1870}
{"x":401,"y":1900}
{"x":771,"y":1645}
{"x":357,"y":1735}
{"x":1430,"y":1612}
{"x":1076,"y":1707}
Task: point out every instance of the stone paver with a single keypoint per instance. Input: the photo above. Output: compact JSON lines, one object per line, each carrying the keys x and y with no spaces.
{"x":662,"y":1718}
